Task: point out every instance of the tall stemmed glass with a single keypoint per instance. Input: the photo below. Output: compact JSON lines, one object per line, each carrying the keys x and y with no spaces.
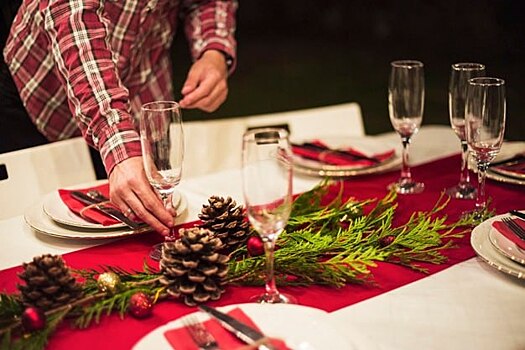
{"x":267,"y":188}
{"x":406,"y":95}
{"x":162,"y":141}
{"x":485,"y":126}
{"x":457,"y":97}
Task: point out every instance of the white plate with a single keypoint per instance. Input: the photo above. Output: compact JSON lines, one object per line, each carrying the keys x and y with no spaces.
{"x":301,"y":327}
{"x":506,"y":247}
{"x":57,"y":210}
{"x":42,"y":223}
{"x":481,"y":243}
{"x":367,"y":145}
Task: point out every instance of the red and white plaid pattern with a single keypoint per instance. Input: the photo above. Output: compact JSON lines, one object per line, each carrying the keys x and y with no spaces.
{"x":100,"y":60}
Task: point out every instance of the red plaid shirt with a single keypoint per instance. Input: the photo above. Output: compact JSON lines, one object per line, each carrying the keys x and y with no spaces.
{"x":100,"y":60}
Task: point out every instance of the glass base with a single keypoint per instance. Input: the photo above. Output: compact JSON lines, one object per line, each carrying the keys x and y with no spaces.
{"x":278,"y":298}
{"x":156,"y":252}
{"x":407,"y":187}
{"x":465,"y":191}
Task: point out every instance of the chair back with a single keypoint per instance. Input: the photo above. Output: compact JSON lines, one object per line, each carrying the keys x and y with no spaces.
{"x":214,"y":145}
{"x":27,"y":174}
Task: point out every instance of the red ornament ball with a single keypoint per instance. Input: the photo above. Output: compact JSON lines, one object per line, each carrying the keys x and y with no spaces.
{"x":255,"y":246}
{"x":33,"y":319}
{"x":140,"y":305}
{"x":386,"y":241}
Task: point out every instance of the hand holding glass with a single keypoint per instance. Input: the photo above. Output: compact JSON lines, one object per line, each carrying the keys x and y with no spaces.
{"x":406,"y":95}
{"x":162,"y":142}
{"x":457,"y":97}
{"x":267,"y":188}
{"x":485,"y":126}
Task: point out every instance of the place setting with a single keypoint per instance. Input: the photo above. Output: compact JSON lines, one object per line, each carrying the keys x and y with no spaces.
{"x":344,"y":157}
{"x":61,"y":215}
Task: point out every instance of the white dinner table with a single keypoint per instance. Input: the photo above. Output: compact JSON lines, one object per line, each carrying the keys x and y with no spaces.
{"x":467,"y":306}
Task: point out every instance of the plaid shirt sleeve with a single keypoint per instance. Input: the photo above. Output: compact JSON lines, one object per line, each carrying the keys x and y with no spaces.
{"x":95,"y":93}
{"x":211,"y":25}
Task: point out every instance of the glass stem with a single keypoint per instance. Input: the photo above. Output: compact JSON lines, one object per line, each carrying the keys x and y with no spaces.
{"x":481,"y":201}
{"x":464,"y":176}
{"x":269,"y":248}
{"x":405,"y":168}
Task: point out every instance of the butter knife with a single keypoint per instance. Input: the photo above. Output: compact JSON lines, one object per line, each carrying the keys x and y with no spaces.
{"x":111,"y":212}
{"x":518,"y":214}
{"x":247,"y":334}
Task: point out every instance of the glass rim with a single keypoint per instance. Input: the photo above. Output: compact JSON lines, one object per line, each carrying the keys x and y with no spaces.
{"x":407,"y":64}
{"x":283,"y":133}
{"x":468,"y":66}
{"x":161,"y":106}
{"x":486,"y":81}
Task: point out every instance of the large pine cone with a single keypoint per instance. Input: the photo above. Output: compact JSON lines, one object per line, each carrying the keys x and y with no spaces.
{"x":192,"y":267}
{"x":226,"y":221}
{"x":49,"y":283}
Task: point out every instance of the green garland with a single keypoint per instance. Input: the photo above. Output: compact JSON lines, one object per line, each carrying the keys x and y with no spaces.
{"x":329,"y":244}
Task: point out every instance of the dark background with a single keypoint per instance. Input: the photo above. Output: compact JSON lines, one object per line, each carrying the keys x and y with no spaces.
{"x":296,"y":54}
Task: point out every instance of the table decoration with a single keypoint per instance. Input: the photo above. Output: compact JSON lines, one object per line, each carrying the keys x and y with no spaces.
{"x":328,"y":241}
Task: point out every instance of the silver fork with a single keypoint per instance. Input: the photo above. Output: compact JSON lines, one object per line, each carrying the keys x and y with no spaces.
{"x":198,"y":332}
{"x":514,"y":227}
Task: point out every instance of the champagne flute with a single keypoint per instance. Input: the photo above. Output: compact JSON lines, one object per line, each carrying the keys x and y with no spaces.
{"x":162,"y":142}
{"x":457,"y":96}
{"x":406,"y":95}
{"x":485,"y":126}
{"x":267,"y":188}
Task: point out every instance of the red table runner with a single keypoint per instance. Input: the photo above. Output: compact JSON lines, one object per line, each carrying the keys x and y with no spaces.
{"x":116,"y":333}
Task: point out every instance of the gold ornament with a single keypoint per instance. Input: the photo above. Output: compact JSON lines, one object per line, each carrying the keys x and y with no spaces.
{"x":108,"y":282}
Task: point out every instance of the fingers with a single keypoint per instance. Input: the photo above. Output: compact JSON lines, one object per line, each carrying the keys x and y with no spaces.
{"x":205,"y":98}
{"x":206,"y":86}
{"x":131,"y":193}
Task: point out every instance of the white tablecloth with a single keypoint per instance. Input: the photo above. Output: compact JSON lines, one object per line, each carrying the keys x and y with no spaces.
{"x":468,"y":306}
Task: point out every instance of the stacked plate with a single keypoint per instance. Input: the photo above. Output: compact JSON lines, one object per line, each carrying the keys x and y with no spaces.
{"x":368,"y":146}
{"x":509,"y":166}
{"x":50,"y":216}
{"x":497,"y":250}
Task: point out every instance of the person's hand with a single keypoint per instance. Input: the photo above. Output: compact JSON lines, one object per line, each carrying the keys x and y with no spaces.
{"x":206,"y":85}
{"x":130,"y":189}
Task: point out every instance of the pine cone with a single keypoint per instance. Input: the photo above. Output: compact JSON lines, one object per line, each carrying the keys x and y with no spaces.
{"x":49,"y":283}
{"x":192,"y":268}
{"x":226,"y":221}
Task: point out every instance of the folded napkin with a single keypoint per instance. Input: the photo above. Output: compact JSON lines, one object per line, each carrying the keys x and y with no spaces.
{"x":505,"y":231}
{"x":83,"y":210}
{"x":319,"y":151}
{"x":512,"y":167}
{"x":180,"y":338}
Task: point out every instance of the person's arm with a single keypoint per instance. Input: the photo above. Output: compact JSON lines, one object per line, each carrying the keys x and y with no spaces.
{"x":99,"y":102}
{"x":210,"y":30}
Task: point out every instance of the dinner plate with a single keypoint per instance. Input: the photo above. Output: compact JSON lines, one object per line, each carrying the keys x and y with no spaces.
{"x":506,"y":247}
{"x":57,"y":210}
{"x":42,"y":223}
{"x":367,"y":145}
{"x":301,"y":327}
{"x":480,"y":241}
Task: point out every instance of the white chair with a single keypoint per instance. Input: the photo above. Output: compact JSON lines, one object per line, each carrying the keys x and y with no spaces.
{"x":215,"y":145}
{"x":35,"y":171}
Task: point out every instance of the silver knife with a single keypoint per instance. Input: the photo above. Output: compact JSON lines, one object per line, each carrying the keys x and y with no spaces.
{"x":111,"y":212}
{"x":247,"y":334}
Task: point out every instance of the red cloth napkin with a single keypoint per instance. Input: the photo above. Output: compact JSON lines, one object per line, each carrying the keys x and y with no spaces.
{"x":517,"y":168}
{"x":180,"y":339}
{"x":505,"y":231}
{"x":91,"y":214}
{"x":317,"y":150}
